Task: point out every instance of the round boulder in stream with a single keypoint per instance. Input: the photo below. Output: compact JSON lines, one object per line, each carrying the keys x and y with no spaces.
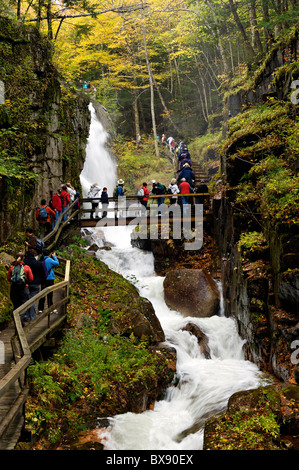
{"x":193,"y":292}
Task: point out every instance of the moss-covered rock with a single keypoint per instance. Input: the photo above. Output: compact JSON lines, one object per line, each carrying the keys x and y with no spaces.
{"x":261,"y":419}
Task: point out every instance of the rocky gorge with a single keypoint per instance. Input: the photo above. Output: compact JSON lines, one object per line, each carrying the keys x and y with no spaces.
{"x":259,"y":278}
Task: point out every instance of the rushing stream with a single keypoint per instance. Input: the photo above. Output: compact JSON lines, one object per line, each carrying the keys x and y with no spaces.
{"x":203,"y":386}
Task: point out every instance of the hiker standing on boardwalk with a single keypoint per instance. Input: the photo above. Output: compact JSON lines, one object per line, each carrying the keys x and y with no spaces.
{"x":118,"y":195}
{"x":65,"y":200}
{"x":20,"y":276}
{"x":50,"y":261}
{"x":94,"y":192}
{"x":44,"y":215}
{"x":33,"y":243}
{"x":104,"y":202}
{"x":56,"y":203}
{"x":35,"y":286}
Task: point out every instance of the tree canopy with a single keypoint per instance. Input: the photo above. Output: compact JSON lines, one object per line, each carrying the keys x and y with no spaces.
{"x":158,"y":66}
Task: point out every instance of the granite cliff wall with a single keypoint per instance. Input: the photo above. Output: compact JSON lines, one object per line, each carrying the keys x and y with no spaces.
{"x":44,"y":125}
{"x":261,"y":281}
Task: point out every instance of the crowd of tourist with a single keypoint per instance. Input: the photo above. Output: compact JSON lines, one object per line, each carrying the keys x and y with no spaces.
{"x":31,"y":272}
{"x":33,"y":268}
{"x":177,"y":191}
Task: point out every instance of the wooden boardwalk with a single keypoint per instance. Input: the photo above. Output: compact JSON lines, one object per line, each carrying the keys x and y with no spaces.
{"x":19,"y":343}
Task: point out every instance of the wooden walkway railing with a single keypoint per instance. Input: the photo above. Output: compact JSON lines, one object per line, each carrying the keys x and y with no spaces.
{"x":50,"y":240}
{"x":125,"y":210}
{"x":20,"y":341}
{"x":19,"y":344}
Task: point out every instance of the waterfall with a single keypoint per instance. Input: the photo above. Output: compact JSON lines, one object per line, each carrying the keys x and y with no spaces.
{"x":204,"y":385}
{"x":99,"y":166}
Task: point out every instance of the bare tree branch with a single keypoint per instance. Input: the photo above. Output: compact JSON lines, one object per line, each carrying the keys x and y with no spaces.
{"x":118,"y":10}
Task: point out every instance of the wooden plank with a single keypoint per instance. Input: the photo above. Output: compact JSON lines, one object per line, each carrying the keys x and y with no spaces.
{"x":14,"y":374}
{"x":39,"y":340}
{"x":18,"y":403}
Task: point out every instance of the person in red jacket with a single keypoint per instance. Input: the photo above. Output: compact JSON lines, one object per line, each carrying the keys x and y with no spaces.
{"x":44,"y":215}
{"x":56,"y":204}
{"x":185,"y":189}
{"x":144,"y":199}
{"x":65,"y":200}
{"x":20,"y":276}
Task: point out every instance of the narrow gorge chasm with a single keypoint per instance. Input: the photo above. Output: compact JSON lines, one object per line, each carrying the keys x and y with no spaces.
{"x":164,"y":348}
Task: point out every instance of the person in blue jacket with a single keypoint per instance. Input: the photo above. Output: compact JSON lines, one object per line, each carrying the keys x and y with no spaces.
{"x":50,"y":261}
{"x":188,"y":174}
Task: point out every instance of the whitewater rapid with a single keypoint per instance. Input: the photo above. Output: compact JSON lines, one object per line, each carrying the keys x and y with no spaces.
{"x":203,"y":386}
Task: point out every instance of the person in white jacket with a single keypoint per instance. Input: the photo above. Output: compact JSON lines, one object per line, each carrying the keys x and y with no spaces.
{"x":173,"y":187}
{"x":71,"y":191}
{"x":93,"y":192}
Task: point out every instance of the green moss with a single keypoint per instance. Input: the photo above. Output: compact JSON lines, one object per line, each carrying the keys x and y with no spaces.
{"x":251,"y":422}
{"x":100,"y":368}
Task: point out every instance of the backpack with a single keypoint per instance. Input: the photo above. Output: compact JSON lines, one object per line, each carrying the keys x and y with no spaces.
{"x":161,"y":188}
{"x":43,"y":214}
{"x":140,"y":192}
{"x":18,"y":275}
{"x":119,"y":191}
{"x":39,"y":245}
{"x":46,"y":272}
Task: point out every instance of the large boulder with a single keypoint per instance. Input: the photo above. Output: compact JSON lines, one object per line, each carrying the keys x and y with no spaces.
{"x":193,"y":292}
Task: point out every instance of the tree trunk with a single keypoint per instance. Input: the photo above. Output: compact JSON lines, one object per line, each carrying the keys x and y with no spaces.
{"x":218,"y":36}
{"x":152,"y":93}
{"x":267,"y":33}
{"x":49,"y":20}
{"x":256,"y":40}
{"x":19,"y":9}
{"x":164,"y":105}
{"x":136,"y":113}
{"x":240,"y":26}
{"x":39,"y":13}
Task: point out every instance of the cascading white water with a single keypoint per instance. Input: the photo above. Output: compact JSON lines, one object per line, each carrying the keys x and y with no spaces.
{"x":204,"y":385}
{"x":99,"y":166}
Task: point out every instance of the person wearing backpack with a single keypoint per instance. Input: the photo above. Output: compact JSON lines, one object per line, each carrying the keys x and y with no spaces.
{"x":118,"y":193}
{"x":35,"y":286}
{"x":65,"y":200}
{"x":49,"y":262}
{"x":33,"y":243}
{"x":44,"y":215}
{"x":159,"y":188}
{"x":188,"y":174}
{"x":20,"y":276}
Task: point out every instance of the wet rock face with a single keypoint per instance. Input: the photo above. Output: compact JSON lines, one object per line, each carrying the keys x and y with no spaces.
{"x":191,"y":291}
{"x":202,"y":339}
